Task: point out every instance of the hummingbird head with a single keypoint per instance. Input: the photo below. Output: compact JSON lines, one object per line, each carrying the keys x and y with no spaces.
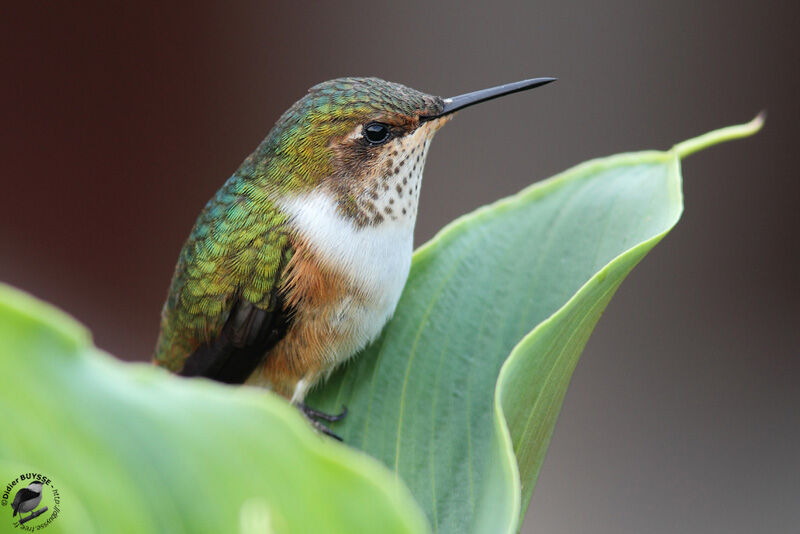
{"x":362,"y":142}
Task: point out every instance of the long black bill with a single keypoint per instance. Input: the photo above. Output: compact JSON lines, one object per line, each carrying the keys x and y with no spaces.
{"x":476,"y":97}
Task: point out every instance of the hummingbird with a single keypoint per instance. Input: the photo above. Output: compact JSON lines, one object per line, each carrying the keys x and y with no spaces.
{"x":299,"y":260}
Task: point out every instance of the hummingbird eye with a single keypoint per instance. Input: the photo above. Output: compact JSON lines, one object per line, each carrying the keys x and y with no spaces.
{"x":376,"y":133}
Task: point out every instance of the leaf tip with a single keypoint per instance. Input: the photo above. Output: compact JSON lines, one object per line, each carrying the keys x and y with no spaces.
{"x":758,"y":121}
{"x":729,"y":133}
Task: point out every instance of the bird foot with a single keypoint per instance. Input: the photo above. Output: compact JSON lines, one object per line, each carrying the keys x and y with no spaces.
{"x":313,"y":415}
{"x":316,"y":414}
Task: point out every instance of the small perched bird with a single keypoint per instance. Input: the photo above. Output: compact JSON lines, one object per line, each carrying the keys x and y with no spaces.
{"x":27,"y":499}
{"x":300,"y":258}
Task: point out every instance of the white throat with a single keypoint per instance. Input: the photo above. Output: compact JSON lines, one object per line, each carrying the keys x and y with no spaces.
{"x":376,"y":257}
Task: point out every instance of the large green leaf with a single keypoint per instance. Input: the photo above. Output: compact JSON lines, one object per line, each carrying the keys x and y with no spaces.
{"x":438,"y":398}
{"x":132,"y":449}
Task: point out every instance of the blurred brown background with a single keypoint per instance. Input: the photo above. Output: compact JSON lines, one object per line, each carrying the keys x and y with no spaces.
{"x":119,"y":123}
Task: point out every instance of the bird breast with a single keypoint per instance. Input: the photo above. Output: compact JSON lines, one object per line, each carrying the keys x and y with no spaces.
{"x":374,"y":259}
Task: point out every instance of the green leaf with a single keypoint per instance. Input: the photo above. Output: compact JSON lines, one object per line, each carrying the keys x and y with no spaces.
{"x":438,"y":399}
{"x":460,"y":394}
{"x":132,"y":449}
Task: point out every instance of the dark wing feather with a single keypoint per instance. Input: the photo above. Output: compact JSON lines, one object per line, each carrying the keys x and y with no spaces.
{"x":249,"y":333}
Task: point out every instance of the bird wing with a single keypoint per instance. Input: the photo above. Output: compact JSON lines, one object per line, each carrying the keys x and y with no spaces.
{"x":224,"y":310}
{"x":22,"y":495}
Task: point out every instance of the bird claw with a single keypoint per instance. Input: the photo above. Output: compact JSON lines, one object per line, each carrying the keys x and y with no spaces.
{"x":316,"y":414}
{"x":312,"y":415}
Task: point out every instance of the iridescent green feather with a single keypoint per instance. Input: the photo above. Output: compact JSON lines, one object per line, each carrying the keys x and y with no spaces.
{"x":234,"y":251}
